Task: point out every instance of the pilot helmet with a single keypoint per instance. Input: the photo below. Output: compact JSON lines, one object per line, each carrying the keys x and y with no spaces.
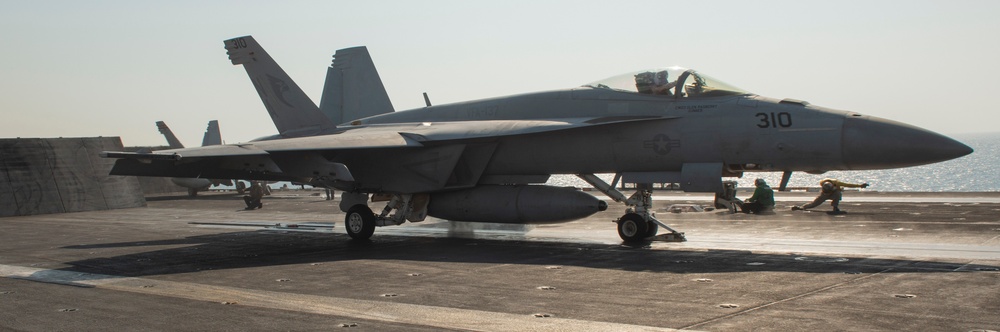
{"x":661,"y":78}
{"x":759,"y":182}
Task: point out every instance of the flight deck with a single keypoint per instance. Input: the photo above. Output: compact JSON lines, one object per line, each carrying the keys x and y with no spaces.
{"x":896,"y":261}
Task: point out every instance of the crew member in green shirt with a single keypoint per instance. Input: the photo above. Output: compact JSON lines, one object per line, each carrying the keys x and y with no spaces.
{"x":762,"y":199}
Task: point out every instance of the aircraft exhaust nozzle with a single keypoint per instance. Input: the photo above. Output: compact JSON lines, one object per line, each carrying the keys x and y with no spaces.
{"x":875,"y":143}
{"x":515,"y":204}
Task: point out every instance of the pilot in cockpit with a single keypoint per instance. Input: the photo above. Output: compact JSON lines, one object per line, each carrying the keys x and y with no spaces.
{"x":654,"y":83}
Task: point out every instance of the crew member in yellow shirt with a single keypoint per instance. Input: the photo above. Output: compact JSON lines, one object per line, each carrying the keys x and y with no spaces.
{"x":830,"y":189}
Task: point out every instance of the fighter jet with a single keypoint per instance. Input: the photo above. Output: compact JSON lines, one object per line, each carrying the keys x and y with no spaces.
{"x":212,"y":137}
{"x":486,"y":160}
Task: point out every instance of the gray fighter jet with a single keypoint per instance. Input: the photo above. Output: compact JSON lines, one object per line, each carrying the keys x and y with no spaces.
{"x":483,"y":161}
{"x":212,"y":137}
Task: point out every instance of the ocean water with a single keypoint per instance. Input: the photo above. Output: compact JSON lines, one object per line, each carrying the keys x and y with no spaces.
{"x":977,"y":172}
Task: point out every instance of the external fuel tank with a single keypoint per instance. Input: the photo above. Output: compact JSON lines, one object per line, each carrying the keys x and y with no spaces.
{"x":514,"y":204}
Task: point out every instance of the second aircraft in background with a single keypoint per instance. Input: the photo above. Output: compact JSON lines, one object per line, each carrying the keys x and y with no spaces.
{"x":213,"y":136}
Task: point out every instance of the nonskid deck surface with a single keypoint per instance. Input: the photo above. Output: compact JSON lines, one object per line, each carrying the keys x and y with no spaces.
{"x":889,"y":264}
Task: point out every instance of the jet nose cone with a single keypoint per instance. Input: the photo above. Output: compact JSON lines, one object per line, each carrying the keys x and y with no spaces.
{"x":874,"y":143}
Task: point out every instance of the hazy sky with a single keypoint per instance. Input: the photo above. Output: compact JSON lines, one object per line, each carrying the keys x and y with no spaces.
{"x":113,"y":68}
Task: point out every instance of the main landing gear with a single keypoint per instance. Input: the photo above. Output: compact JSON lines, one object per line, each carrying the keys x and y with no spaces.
{"x":361,"y":221}
{"x":638,"y":223}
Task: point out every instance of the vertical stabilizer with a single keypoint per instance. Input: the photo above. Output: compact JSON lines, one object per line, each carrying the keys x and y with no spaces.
{"x":353,"y":88}
{"x":293,"y":113}
{"x":172,"y":140}
{"x":213,"y":136}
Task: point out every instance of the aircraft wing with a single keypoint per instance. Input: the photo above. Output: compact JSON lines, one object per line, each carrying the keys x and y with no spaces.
{"x":477,"y":130}
{"x":379,"y":136}
{"x":414,"y":157}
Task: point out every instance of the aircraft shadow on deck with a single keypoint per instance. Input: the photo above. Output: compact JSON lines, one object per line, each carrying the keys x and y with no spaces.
{"x":247,"y":249}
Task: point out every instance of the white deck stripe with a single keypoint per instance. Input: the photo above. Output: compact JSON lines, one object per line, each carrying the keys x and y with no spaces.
{"x":848,"y":198}
{"x":403,"y":313}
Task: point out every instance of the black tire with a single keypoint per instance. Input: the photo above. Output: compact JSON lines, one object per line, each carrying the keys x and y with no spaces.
{"x":632,"y":228}
{"x":651,"y":229}
{"x":360,"y":222}
{"x":192,"y":192}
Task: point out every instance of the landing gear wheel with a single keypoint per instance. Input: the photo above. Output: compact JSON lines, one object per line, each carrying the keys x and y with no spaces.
{"x":192,"y":192}
{"x":632,"y":228}
{"x":360,"y":222}
{"x":651,"y":229}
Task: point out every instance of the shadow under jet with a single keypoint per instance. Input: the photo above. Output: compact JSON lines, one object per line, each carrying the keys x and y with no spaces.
{"x":248,"y":249}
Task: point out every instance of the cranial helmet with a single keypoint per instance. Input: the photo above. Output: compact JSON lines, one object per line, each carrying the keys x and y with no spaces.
{"x":759,"y":182}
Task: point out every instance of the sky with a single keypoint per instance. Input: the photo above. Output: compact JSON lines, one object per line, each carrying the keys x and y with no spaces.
{"x":113,"y":68}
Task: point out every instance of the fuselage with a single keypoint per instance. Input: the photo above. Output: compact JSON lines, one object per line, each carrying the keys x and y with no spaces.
{"x":743,"y":132}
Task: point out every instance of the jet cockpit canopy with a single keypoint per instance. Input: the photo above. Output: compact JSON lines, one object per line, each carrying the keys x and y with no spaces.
{"x":675,"y":82}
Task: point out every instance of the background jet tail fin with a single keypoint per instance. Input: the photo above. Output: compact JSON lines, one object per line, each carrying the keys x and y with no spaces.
{"x":213,"y":136}
{"x":353,"y":89}
{"x":293,"y":113}
{"x":172,"y":140}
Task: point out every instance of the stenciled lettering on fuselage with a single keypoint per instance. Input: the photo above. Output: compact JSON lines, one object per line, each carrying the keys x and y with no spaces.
{"x":695,"y":108}
{"x":661,"y":144}
{"x":481,"y":112}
